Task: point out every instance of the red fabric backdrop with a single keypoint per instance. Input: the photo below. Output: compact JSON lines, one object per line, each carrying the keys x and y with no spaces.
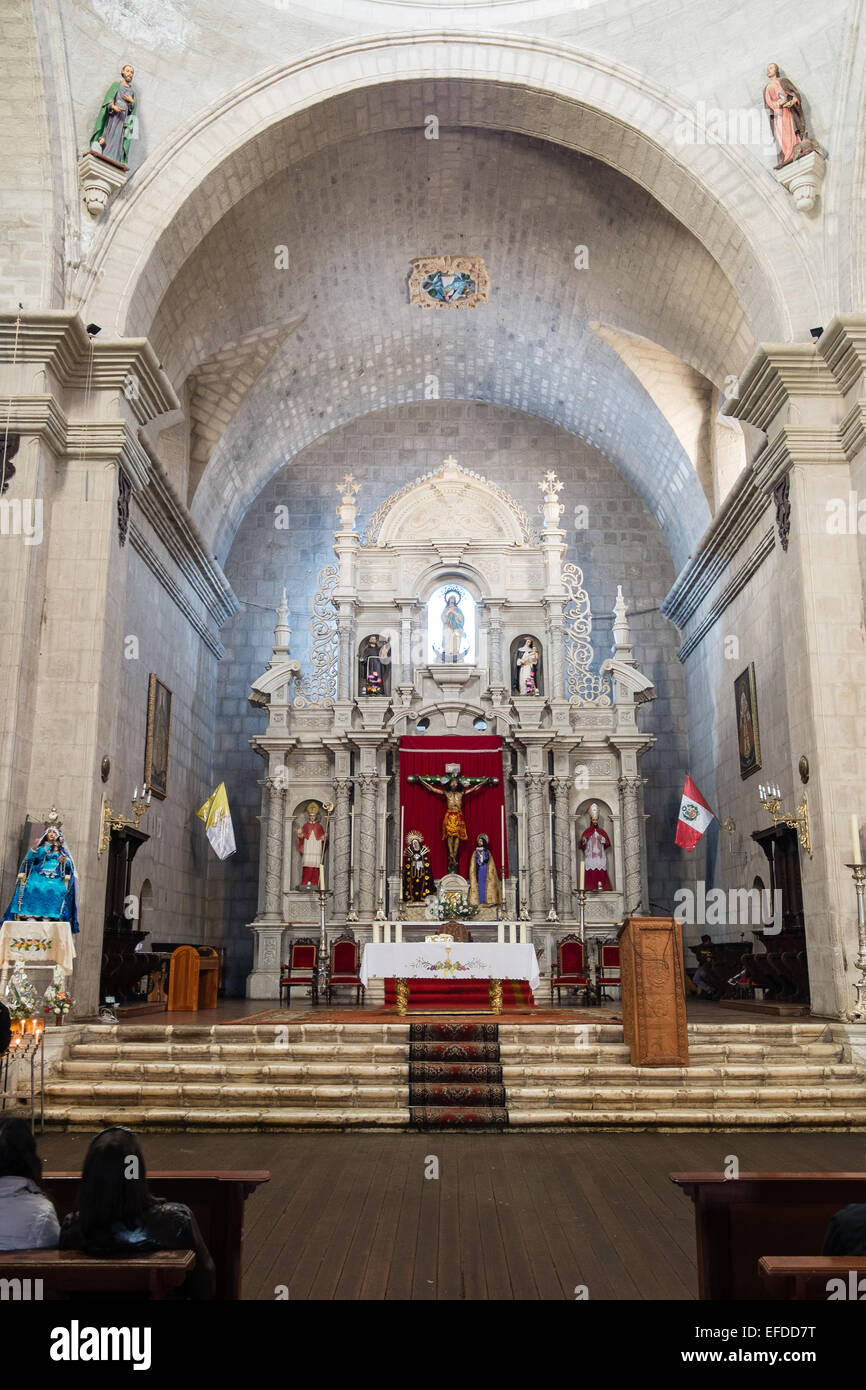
{"x":480,"y":756}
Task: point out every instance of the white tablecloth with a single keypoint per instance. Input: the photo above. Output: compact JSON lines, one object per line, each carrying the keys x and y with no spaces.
{"x":462,"y":960}
{"x":37,"y":941}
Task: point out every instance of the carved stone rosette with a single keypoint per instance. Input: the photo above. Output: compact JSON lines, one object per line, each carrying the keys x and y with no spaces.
{"x":630,"y":789}
{"x":365,"y":833}
{"x":340,"y":835}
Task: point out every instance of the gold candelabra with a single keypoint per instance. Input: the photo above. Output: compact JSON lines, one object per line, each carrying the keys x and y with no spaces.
{"x":771,"y":800}
{"x":858,"y":1013}
{"x":116,"y":820}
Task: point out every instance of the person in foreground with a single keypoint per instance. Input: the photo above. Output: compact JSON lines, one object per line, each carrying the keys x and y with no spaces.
{"x":28,"y":1220}
{"x":117,"y":1214}
{"x":846,"y":1233}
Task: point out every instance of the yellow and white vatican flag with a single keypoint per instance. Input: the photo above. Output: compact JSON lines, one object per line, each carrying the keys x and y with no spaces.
{"x":218,"y":822}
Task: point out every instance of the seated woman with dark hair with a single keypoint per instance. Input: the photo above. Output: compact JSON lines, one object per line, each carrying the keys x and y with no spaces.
{"x":28,"y":1220}
{"x":117,"y":1214}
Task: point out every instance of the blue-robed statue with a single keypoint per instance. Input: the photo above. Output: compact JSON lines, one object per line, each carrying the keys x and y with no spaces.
{"x":47,"y":882}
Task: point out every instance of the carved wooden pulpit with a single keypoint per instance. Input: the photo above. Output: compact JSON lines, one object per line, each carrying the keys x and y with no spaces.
{"x":653,"y":992}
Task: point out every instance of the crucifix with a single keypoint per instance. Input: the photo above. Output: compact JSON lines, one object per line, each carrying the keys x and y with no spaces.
{"x":454,"y":788}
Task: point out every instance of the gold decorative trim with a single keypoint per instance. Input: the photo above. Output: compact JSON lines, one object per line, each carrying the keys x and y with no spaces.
{"x":474,"y":266}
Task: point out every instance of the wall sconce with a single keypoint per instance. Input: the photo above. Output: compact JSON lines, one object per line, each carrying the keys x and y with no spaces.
{"x":771,"y":800}
{"x":115,"y":820}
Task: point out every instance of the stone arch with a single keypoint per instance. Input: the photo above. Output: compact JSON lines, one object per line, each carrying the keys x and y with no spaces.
{"x":621,"y":119}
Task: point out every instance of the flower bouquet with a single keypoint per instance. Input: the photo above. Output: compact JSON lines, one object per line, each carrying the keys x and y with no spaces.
{"x":455,"y":905}
{"x":56,"y":1000}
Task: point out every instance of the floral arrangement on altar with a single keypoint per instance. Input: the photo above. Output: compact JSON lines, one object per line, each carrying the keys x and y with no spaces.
{"x":56,"y":999}
{"x":20,"y":995}
{"x":456,"y":905}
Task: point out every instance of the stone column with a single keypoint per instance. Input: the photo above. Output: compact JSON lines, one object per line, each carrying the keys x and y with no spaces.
{"x":555,"y":665}
{"x":275,"y":797}
{"x":564,"y":851}
{"x":338,"y":851}
{"x":346,"y":664}
{"x":365,"y":839}
{"x":629,"y":788}
{"x":539,"y":867}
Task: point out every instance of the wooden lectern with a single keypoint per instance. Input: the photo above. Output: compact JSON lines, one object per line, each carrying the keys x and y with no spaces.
{"x":653,"y":992}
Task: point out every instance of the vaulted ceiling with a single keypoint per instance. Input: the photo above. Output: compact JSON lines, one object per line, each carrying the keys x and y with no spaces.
{"x":315,"y":258}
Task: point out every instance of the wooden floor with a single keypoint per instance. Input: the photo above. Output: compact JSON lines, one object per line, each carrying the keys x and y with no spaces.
{"x":511,"y":1216}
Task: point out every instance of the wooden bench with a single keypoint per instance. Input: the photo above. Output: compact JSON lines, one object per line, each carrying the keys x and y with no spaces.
{"x":216,"y":1200}
{"x":737,"y":1220}
{"x":71,"y":1272}
{"x":807,"y":1276}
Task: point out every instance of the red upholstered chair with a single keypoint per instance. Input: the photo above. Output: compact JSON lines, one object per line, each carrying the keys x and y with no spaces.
{"x":345,"y":959}
{"x":302,"y":969}
{"x":608,"y":968}
{"x":569,"y":972}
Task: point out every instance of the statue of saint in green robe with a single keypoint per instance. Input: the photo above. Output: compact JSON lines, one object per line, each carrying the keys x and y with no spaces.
{"x":114,"y":124}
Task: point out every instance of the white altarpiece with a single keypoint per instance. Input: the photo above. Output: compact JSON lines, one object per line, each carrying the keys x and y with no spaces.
{"x":327,"y":742}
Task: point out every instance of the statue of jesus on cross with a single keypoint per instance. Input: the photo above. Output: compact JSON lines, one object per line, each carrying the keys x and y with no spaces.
{"x":454,"y":788}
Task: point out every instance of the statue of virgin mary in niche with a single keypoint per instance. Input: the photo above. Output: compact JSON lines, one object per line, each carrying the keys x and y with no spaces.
{"x":47,"y":886}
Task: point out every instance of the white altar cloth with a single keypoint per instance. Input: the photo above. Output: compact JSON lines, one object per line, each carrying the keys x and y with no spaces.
{"x":461,"y":960}
{"x":37,"y":941}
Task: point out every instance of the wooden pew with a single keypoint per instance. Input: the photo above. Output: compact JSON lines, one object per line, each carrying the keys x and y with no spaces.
{"x":71,"y":1272}
{"x":737,"y":1220}
{"x":216,"y":1200}
{"x":807,"y":1276}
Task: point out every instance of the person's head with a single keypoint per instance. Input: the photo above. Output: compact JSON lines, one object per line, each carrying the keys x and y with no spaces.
{"x":113,"y":1184}
{"x":772,"y":69}
{"x":593,"y":813}
{"x":53,"y":837}
{"x":481,"y":842}
{"x":706,"y":938}
{"x":127,"y":72}
{"x":18,"y":1156}
{"x":313,"y":810}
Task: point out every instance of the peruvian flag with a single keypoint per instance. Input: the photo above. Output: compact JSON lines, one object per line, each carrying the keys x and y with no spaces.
{"x":694,"y":817}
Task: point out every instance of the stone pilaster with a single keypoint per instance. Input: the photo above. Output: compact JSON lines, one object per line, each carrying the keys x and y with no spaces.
{"x":365,"y":838}
{"x":539,"y":866}
{"x":494,"y":646}
{"x":339,"y":847}
{"x":630,"y":789}
{"x":563,"y":842}
{"x":274,"y":798}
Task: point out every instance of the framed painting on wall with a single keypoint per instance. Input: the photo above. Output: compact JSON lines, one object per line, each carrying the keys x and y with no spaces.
{"x":158,"y":737}
{"x":748,"y":732}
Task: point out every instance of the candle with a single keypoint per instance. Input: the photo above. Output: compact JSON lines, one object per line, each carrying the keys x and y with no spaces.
{"x":500,"y":933}
{"x":398,"y":931}
{"x":855,"y":839}
{"x":582,"y":873}
{"x":135,"y":793}
{"x":377,"y":932}
{"x":523,"y":937}
{"x":321,"y":877}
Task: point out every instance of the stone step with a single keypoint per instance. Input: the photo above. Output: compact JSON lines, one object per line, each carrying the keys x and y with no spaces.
{"x":230,"y":1071}
{"x":690,"y":1097}
{"x":251,"y":1118}
{"x":724,"y":1118}
{"x":225,"y":1095}
{"x":515,"y":1073}
{"x":181,"y":1053}
{"x":155,"y":1118}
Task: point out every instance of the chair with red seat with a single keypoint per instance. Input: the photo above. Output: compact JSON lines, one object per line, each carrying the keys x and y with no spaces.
{"x":345,"y":957}
{"x":302,"y":969}
{"x":569,"y":972}
{"x":608,"y":971}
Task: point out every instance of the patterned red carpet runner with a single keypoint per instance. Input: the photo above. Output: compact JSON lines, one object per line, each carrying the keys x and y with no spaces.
{"x":455,"y":1076}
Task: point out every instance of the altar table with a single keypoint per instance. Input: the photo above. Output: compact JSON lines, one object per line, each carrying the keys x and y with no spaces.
{"x":495,"y":961}
{"x":37,"y":941}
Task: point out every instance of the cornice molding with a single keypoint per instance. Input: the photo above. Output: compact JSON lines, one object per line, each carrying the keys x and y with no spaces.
{"x":765,"y":547}
{"x":60,"y":344}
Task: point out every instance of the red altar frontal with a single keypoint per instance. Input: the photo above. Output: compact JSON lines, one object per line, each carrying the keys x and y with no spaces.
{"x":483,"y":810}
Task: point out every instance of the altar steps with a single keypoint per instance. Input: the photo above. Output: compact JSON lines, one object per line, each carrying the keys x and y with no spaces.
{"x":357,"y":1075}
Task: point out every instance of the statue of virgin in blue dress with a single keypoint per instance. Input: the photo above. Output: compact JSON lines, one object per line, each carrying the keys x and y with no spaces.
{"x":47,"y":882}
